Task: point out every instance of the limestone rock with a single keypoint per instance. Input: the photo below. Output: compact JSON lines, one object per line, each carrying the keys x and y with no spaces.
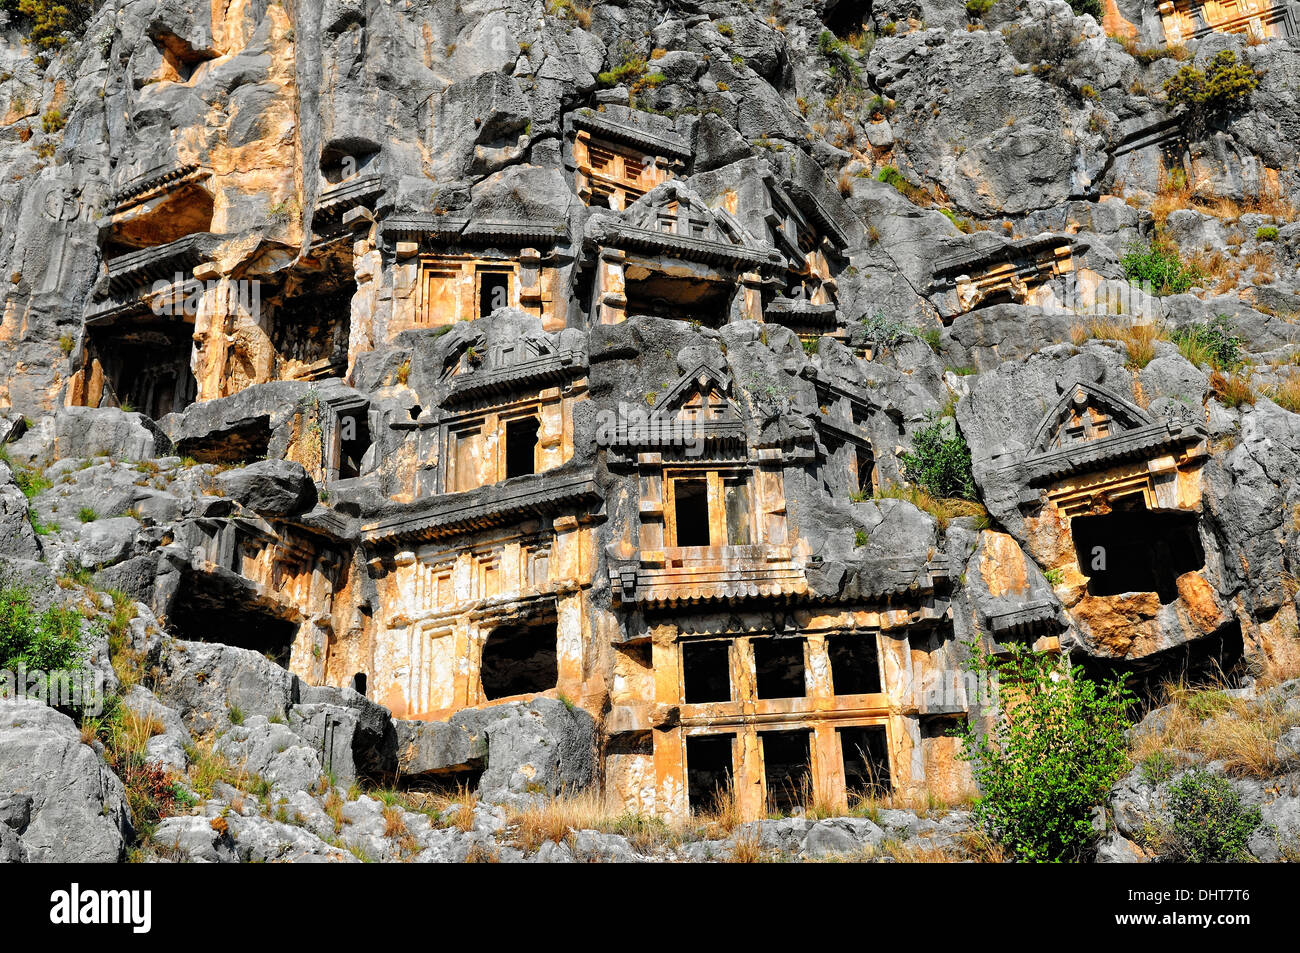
{"x":77,"y":810}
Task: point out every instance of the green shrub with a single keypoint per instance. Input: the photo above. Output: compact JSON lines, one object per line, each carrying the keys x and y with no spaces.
{"x":1225,"y":84}
{"x":1087,"y":8}
{"x":841,"y":61}
{"x":87,"y":514}
{"x":891,"y":176}
{"x":1266,"y":233}
{"x":1160,"y":268}
{"x":1212,"y":342}
{"x":882,"y":329}
{"x":53,"y":121}
{"x":939,"y":462}
{"x":975,"y":9}
{"x":933,"y":338}
{"x":46,"y":640}
{"x":1209,"y":823}
{"x":961,"y":224}
{"x":627,"y":72}
{"x":1054,"y":752}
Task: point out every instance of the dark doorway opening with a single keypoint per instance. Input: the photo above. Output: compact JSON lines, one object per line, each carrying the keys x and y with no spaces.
{"x":678,"y":299}
{"x":310,"y":326}
{"x":778,"y":665}
{"x":519,"y":660}
{"x":1136,"y":550}
{"x":354,"y":441}
{"x":521,"y":446}
{"x":706,"y":669}
{"x":691,"y":512}
{"x":786,"y":769}
{"x":453,"y":781}
{"x":864,"y":463}
{"x":493,"y":292}
{"x":359,"y":683}
{"x":866,"y":760}
{"x":846,"y":17}
{"x":855,"y":667}
{"x":708,"y":771}
{"x":147,"y":367}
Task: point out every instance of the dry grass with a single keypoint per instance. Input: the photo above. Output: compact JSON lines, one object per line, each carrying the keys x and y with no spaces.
{"x":1206,"y":721}
{"x":748,"y":849}
{"x":1287,"y":394}
{"x":209,"y":767}
{"x":394,"y":822}
{"x":478,"y":854}
{"x":944,"y":509}
{"x":436,"y":804}
{"x":845,"y":183}
{"x":919,"y":852}
{"x":923,"y":805}
{"x":333,"y":806}
{"x":557,"y":818}
{"x":1139,"y":340}
{"x":1232,"y":390}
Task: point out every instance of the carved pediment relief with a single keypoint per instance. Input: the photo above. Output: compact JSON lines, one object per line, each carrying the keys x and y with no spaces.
{"x":1086,"y":412}
{"x":702,"y":394}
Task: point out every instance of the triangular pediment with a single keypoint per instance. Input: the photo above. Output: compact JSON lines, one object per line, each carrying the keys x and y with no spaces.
{"x":702,"y":394}
{"x":1085,"y":413}
{"x":673,"y":209}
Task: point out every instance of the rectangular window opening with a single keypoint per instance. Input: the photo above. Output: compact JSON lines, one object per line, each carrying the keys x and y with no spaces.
{"x":521,"y":446}
{"x":493,"y":292}
{"x":691,"y":512}
{"x":786,"y":769}
{"x":855,"y":665}
{"x":866,"y":760}
{"x":778,"y":665}
{"x":864,"y":464}
{"x":708,"y":771}
{"x":736,"y":503}
{"x":706,"y":670}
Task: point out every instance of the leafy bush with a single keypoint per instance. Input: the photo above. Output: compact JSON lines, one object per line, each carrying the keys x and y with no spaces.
{"x":47,"y":640}
{"x":1224,"y":85}
{"x":1159,"y":268}
{"x":1090,"y":8}
{"x":1212,"y":342}
{"x":1052,"y":756}
{"x":1266,"y":233}
{"x":1209,"y":823}
{"x":882,"y":329}
{"x":939,"y":461}
{"x":48,"y":20}
{"x":627,"y":72}
{"x":841,"y":61}
{"x":975,"y":9}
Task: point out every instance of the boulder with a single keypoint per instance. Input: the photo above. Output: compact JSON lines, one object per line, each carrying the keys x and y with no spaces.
{"x":270,"y":487}
{"x":77,"y":812}
{"x":203,"y":681}
{"x":539,"y":747}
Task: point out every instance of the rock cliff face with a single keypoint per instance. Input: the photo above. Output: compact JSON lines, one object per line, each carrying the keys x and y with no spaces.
{"x":533,"y":397}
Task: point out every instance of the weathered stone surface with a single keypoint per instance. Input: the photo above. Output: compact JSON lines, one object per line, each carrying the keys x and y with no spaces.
{"x":542,"y":746}
{"x":202,"y":682}
{"x":270,"y":487}
{"x":77,"y":811}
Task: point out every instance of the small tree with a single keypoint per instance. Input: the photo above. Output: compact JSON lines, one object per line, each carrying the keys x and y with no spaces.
{"x":1209,"y":823}
{"x":49,"y":640}
{"x":1224,"y":85}
{"x":939,"y":462}
{"x":1052,"y":755}
{"x":1158,"y":267}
